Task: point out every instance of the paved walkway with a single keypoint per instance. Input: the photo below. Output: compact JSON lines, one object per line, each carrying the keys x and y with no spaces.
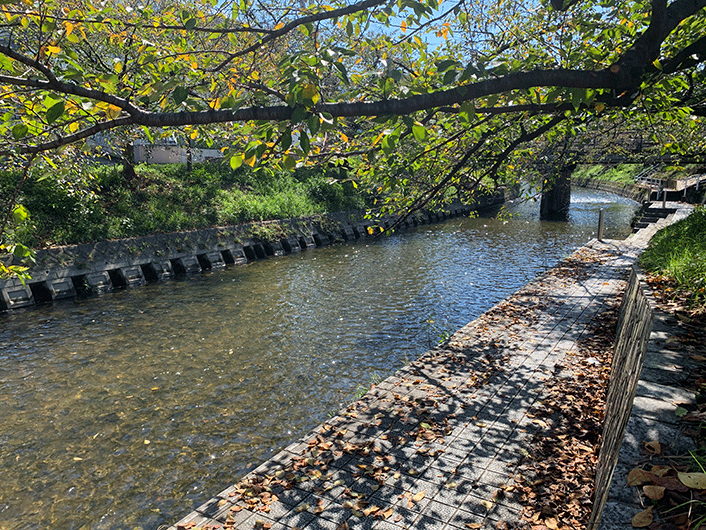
{"x":435,"y":445}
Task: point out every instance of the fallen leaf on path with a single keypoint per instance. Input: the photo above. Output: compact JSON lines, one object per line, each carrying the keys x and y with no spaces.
{"x":696,"y":481}
{"x":419,"y":496}
{"x":644,"y":518}
{"x":654,"y":447}
{"x":638,"y":477}
{"x":654,"y":492}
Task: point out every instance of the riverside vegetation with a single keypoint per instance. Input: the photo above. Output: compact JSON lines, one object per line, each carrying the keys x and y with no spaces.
{"x":103,"y":202}
{"x":676,"y":261}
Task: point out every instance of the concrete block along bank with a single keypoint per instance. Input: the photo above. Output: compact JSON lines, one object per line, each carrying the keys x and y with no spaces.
{"x":93,"y":268}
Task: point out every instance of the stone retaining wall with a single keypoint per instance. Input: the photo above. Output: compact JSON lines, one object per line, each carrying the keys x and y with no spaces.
{"x":93,"y":268}
{"x":631,"y":191}
{"x":633,"y":332}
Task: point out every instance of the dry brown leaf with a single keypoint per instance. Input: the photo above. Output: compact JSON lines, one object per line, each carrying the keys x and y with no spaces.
{"x":473,"y":526}
{"x":644,"y":518}
{"x":551,"y":523}
{"x":695,"y":481}
{"x":671,"y":483}
{"x":638,"y":477}
{"x":654,"y":447}
{"x":660,"y":471}
{"x":654,"y":492}
{"x":419,"y":496}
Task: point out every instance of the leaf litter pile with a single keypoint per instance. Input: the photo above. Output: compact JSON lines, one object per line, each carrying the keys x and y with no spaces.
{"x":393,"y":456}
{"x":560,"y":469}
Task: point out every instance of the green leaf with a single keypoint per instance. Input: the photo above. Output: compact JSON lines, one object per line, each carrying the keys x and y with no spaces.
{"x":468,"y":111}
{"x":578,"y":95}
{"x":20,"y":213}
{"x":180,"y":94}
{"x":21,"y":252}
{"x":298,"y":114}
{"x":450,"y":77}
{"x":307,"y":28}
{"x":286,"y":139}
{"x":236,"y":161}
{"x":314,"y":124}
{"x":680,"y":412}
{"x":344,"y":73}
{"x":290,"y":162}
{"x":442,"y":66}
{"x":190,"y":24}
{"x":55,"y":111}
{"x":420,"y":132}
{"x":19,"y":131}
{"x":304,"y":142}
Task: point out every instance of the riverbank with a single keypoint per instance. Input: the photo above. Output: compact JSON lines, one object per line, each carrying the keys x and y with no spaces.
{"x":94,"y":268}
{"x":442,"y":442}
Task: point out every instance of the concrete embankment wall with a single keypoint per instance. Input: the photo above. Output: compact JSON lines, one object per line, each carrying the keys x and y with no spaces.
{"x":631,"y":191}
{"x":93,"y":268}
{"x":632,"y":334}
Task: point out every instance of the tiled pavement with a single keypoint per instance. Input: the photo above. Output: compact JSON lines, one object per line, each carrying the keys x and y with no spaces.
{"x":434,"y":446}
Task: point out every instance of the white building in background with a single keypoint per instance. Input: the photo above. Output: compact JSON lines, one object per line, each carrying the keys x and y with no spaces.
{"x":170,"y":152}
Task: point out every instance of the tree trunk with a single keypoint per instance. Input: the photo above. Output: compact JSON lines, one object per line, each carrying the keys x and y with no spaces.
{"x":556,"y":197}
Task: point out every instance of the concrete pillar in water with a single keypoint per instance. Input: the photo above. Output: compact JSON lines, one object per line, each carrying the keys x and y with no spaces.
{"x":556,"y":199}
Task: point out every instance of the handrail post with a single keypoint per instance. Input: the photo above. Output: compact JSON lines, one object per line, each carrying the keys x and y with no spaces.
{"x":601,"y":224}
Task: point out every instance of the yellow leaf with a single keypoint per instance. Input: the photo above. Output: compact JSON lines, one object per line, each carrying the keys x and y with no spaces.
{"x":251,"y":161}
{"x":279,"y":26}
{"x":403,"y":26}
{"x":53,"y":49}
{"x":419,"y":496}
{"x":600,"y":107}
{"x":73,"y":126}
{"x":112,"y":112}
{"x":644,"y":518}
{"x":343,"y":137}
{"x":309,"y":92}
{"x":255,"y":75}
{"x":551,"y":523}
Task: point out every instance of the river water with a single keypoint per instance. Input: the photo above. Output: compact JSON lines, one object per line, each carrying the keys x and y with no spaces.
{"x":129,"y":409}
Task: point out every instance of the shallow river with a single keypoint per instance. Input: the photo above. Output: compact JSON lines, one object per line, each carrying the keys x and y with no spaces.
{"x":129,"y":409}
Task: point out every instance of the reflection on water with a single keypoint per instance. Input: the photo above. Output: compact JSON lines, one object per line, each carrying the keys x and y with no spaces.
{"x":128,"y":409}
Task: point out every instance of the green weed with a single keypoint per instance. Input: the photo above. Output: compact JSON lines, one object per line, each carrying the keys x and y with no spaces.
{"x":678,"y":253}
